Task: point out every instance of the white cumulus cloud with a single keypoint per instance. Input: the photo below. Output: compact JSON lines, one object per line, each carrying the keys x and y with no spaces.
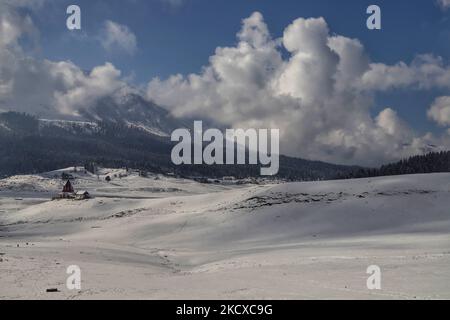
{"x":440,"y":111}
{"x":42,"y":87}
{"x":116,"y":36}
{"x":444,"y":4}
{"x":320,"y":95}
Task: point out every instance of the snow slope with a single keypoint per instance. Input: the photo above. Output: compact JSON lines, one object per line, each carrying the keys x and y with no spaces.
{"x":122,"y":184}
{"x":138,"y":238}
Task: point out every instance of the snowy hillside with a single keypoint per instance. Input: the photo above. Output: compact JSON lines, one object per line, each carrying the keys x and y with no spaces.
{"x":160,"y":237}
{"x":122,"y":184}
{"x":135,"y":111}
{"x":135,"y":135}
{"x":71,"y":126}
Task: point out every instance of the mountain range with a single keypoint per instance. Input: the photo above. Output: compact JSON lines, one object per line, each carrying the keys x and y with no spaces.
{"x":129,"y":131}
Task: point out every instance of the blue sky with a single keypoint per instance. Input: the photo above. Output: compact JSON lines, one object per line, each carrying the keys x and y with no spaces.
{"x":179,"y":38}
{"x":391,"y":87}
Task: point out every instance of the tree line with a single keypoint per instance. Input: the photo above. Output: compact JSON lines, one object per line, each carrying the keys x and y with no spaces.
{"x":428,"y":163}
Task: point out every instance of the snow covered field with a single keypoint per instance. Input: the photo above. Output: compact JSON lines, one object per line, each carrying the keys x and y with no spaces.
{"x":159,"y":238}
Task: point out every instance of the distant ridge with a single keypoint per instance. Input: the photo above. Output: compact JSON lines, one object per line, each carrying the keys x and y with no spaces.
{"x":29,"y":145}
{"x":431,"y":162}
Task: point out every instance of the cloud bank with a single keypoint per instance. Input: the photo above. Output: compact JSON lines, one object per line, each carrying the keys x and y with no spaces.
{"x":319,"y":96}
{"x":42,"y":87}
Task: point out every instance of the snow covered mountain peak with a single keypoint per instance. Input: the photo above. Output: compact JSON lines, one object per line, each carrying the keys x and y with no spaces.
{"x":133,"y":110}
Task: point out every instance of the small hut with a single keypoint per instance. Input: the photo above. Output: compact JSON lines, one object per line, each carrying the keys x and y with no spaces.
{"x":68,"y":188}
{"x":82,"y":195}
{"x":67,"y":192}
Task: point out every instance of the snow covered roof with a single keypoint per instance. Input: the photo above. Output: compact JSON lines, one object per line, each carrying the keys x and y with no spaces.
{"x":81,"y":192}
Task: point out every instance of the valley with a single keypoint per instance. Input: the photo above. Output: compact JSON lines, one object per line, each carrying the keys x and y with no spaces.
{"x":160,"y":237}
